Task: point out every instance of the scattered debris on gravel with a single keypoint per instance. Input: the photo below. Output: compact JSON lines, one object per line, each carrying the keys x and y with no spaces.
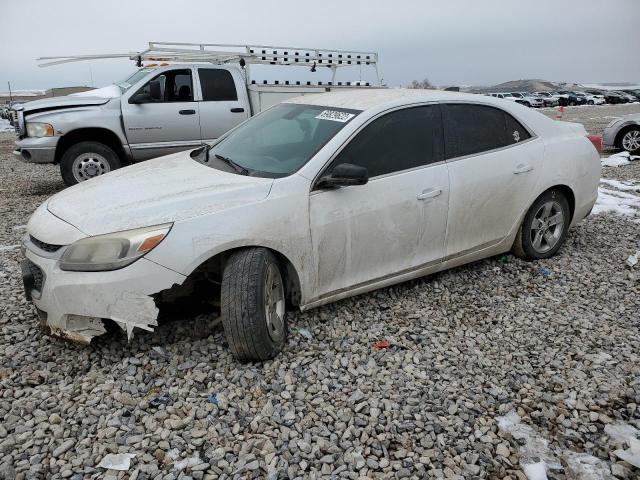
{"x":499,"y":369}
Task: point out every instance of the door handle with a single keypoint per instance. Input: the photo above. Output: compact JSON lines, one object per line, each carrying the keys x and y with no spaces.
{"x":430,"y":193}
{"x":237,"y":110}
{"x":187,"y":112}
{"x":522,"y":168}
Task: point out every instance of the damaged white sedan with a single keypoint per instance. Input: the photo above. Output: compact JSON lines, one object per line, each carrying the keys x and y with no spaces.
{"x":314,"y":200}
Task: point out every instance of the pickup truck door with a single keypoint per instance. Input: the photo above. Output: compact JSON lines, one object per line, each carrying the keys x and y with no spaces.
{"x":161,"y":127}
{"x":397,"y":222}
{"x":223,"y":104}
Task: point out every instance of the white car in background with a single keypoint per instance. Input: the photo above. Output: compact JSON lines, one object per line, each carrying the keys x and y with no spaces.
{"x":592,"y":99}
{"x":525,"y":99}
{"x":311,"y":201}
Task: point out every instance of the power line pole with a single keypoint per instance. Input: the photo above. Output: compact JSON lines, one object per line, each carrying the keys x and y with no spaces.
{"x":10,"y":97}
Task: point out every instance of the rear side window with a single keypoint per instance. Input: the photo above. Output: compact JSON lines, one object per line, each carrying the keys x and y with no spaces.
{"x":217,"y":85}
{"x":471,"y":129}
{"x":515,"y":131}
{"x":397,"y":141}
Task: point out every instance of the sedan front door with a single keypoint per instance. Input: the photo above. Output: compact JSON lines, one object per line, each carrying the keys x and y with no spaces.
{"x":395,"y":223}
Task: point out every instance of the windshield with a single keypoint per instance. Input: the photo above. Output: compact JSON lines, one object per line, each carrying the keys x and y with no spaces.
{"x":280,"y":140}
{"x":132,"y":79}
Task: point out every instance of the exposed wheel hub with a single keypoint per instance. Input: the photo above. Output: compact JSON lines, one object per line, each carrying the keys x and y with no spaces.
{"x":274,"y":303}
{"x":89,"y":165}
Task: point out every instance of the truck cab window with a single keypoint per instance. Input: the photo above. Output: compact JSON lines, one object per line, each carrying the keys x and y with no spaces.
{"x":217,"y":85}
{"x":175,"y":86}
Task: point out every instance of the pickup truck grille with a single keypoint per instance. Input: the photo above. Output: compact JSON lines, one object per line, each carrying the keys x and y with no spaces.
{"x":15,"y":120}
{"x":47,"y":247}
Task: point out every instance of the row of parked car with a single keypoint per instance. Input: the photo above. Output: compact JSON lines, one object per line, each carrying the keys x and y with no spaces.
{"x":570,"y":98}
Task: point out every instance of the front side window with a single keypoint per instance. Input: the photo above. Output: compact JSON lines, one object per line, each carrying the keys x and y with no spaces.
{"x":397,"y":141}
{"x":280,"y":140}
{"x":472,"y":129}
{"x":175,"y":86}
{"x":217,"y":85}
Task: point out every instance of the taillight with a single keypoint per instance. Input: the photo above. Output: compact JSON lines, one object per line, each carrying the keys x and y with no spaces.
{"x":597,"y":142}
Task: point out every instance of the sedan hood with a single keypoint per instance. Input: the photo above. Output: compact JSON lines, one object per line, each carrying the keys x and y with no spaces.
{"x":163,"y":190}
{"x":60,"y":102}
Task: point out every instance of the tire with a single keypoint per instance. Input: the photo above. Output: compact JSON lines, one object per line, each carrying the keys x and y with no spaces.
{"x":254,"y":322}
{"x":629,"y":140}
{"x":532,"y":245}
{"x":590,"y":102}
{"x":527,"y":104}
{"x":86,"y":160}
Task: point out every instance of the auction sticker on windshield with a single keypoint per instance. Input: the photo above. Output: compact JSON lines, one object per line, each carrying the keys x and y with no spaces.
{"x":335,"y":115}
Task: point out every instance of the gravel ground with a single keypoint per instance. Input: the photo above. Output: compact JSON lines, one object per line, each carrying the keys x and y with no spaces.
{"x":492,"y":369}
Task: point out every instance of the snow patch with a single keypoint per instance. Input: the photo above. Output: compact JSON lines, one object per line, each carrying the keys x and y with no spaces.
{"x":619,"y":159}
{"x":534,"y":452}
{"x":586,"y":467}
{"x":5,"y":126}
{"x":626,"y":186}
{"x":619,"y":203}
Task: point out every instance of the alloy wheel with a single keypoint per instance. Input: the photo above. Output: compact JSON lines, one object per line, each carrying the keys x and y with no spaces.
{"x":547,"y":226}
{"x":631,"y":140}
{"x":274,"y":303}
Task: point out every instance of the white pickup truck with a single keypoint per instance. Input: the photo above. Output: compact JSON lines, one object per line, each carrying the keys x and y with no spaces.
{"x":165,"y":108}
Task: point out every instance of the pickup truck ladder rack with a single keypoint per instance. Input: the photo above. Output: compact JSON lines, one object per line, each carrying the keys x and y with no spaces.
{"x":245,"y":55}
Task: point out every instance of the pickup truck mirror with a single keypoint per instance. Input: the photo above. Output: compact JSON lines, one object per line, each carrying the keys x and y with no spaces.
{"x":343,"y":175}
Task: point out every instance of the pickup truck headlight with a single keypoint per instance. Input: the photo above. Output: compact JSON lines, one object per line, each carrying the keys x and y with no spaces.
{"x":112,"y":251}
{"x":39,"y":130}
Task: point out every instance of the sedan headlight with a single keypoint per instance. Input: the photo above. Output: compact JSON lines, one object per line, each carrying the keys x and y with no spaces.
{"x":112,"y":251}
{"x":39,"y":130}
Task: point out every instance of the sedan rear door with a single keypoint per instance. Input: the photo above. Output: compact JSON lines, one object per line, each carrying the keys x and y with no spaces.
{"x":494,"y":164}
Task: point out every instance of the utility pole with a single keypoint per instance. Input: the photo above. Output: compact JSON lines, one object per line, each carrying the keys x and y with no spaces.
{"x":10,"y":97}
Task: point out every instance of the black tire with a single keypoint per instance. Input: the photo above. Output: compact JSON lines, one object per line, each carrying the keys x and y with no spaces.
{"x":523,"y":245}
{"x":243,"y":311}
{"x":621,"y":136}
{"x":100,"y":150}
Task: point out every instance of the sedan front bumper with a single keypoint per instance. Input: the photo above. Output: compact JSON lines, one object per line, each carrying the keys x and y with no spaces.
{"x":71,"y":305}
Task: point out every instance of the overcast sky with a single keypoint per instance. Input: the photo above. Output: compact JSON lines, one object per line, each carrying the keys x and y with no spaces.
{"x":464,"y":42}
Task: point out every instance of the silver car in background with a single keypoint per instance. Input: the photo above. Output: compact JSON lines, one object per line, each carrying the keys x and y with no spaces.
{"x":623,"y":133}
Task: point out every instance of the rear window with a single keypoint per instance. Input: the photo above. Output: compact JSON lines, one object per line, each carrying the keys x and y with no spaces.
{"x":217,"y":85}
{"x":472,"y":129}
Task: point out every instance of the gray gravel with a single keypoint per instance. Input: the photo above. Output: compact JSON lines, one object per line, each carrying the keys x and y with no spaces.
{"x":492,"y":368}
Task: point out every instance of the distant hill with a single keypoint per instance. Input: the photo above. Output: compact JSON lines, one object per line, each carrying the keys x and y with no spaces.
{"x":28,"y":95}
{"x":526,"y":85}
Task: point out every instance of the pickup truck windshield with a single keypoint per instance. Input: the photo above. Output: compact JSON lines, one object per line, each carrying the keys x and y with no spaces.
{"x":132,"y":79}
{"x":280,"y":140}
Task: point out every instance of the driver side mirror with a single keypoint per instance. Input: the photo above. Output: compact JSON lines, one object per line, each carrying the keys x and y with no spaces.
{"x":344,"y":175}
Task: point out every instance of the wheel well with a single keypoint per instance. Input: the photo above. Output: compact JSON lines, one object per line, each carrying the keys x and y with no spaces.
{"x":571,"y":198}
{"x":205,"y":281}
{"x":618,"y":140}
{"x":101,"y":135}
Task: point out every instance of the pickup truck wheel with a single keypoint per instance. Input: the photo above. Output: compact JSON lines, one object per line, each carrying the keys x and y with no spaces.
{"x":86,"y":160}
{"x":544,"y":228}
{"x":253,"y":305}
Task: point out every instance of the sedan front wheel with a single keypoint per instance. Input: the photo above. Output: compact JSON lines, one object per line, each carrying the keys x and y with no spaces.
{"x":630,"y":140}
{"x":253,"y":305}
{"x":544,"y":228}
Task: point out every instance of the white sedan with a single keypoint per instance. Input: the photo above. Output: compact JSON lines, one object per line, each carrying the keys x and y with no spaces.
{"x":314,"y":200}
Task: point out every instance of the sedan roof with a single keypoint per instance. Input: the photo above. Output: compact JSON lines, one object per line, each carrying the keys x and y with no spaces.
{"x":368,"y":98}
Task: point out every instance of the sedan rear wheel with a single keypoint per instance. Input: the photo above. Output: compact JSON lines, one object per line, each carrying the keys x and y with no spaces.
{"x":631,"y":140}
{"x":544,"y":228}
{"x":253,"y":305}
